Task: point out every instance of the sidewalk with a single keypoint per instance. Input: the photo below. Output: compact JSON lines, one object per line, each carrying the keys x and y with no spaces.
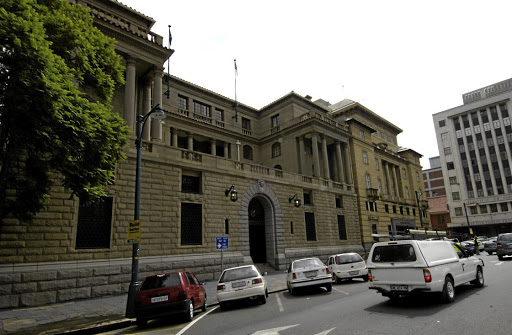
{"x":90,"y":315}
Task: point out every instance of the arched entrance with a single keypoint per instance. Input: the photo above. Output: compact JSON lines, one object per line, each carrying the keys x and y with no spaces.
{"x":257,"y":239}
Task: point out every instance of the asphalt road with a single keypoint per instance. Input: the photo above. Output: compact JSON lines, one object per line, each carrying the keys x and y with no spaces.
{"x":351,"y":308}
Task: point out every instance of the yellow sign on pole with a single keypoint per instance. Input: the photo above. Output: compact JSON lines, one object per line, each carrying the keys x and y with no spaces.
{"x":471,"y":231}
{"x":133,"y":232}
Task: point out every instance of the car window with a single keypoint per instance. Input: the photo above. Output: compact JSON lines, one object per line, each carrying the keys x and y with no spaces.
{"x":507,"y":237}
{"x":162,"y":280}
{"x":394,"y":253}
{"x":348,"y":258}
{"x":237,"y":274}
{"x":306,"y":263}
{"x":191,"y":279}
{"x":458,"y":250}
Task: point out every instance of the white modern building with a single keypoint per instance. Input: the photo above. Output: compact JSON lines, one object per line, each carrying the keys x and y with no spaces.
{"x":475,"y":145}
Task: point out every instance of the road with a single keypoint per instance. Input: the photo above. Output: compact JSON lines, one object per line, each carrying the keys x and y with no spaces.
{"x":351,"y":308}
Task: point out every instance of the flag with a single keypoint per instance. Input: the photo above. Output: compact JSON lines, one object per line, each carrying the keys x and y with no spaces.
{"x":236,"y":69}
{"x":170,"y":36}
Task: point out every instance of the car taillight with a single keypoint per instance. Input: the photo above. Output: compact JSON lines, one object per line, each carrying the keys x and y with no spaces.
{"x":220,"y":287}
{"x":327,"y":271}
{"x":499,"y":245}
{"x":370,"y":278}
{"x":257,"y":281}
{"x":294,"y":275}
{"x":182,"y":295}
{"x":427,"y":276}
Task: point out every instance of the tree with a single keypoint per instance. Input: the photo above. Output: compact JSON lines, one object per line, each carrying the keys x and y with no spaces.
{"x":58,"y":74}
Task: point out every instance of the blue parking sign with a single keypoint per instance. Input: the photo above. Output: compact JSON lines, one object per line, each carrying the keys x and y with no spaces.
{"x":222,"y":242}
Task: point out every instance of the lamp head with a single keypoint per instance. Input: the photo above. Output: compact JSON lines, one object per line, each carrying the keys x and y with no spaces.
{"x":157,"y":113}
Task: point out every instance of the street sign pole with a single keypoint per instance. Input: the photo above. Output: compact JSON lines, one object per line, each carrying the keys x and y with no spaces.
{"x":221,"y":260}
{"x":221,"y":243}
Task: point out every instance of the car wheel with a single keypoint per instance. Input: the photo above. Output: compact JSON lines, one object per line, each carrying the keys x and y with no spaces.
{"x":365,"y":277}
{"x":203,"y":308}
{"x":336,"y":279}
{"x":141,"y":323}
{"x":263,"y":299}
{"x":328,"y":287}
{"x":394,"y":297}
{"x":479,"y":281}
{"x":290,"y":289}
{"x":266,"y":293}
{"x":448,"y":293}
{"x":189,"y":314}
{"x":500,"y":257}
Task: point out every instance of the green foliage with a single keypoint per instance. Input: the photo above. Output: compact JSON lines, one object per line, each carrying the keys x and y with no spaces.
{"x":50,"y":54}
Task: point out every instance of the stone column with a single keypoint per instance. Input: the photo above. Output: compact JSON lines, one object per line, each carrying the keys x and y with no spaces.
{"x":302,"y":156}
{"x":129,"y":93}
{"x":156,"y":125}
{"x":385,"y":170}
{"x":174,"y":137}
{"x":316,"y":158}
{"x":190,"y":145}
{"x":226,"y":150}
{"x":348,"y":164}
{"x":325,"y":158}
{"x":214,"y":146}
{"x":393,"y":179}
{"x":146,"y":107}
{"x":339,"y":163}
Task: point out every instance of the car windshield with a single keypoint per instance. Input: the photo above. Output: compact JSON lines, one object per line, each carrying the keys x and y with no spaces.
{"x":307,"y":263}
{"x":507,"y":237}
{"x":237,"y":274}
{"x":394,"y":253}
{"x":161,"y":280}
{"x":348,"y":258}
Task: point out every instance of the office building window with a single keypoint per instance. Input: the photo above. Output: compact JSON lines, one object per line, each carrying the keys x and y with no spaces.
{"x":368,"y":181}
{"x":386,"y":208}
{"x":306,"y":195}
{"x":404,"y":173}
{"x":377,"y":164}
{"x":339,"y":201}
{"x":361,"y":134}
{"x":442,"y":123}
{"x":483,"y":209}
{"x":191,"y":224}
{"x":365,"y":157}
{"x":219,"y":114}
{"x":276,"y":149}
{"x":275,"y":123}
{"x":458,"y":211}
{"x":453,"y":180}
{"x":342,"y":229}
{"x":310,"y":226}
{"x":455,"y":196}
{"x":247,"y":152}
{"x":94,"y":224}
{"x":246,"y":124}
{"x":504,"y":207}
{"x":201,"y":109}
{"x":182,"y":102}
{"x":493,"y":208}
{"x":417,"y":176}
{"x":473,"y":210}
{"x":450,"y":166}
{"x":191,"y":182}
{"x":447,"y":151}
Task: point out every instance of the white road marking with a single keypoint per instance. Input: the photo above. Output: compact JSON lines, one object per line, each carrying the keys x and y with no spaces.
{"x":498,"y":263}
{"x":273,"y":331}
{"x":325,"y":332}
{"x":199,"y":318}
{"x":341,"y":291}
{"x":279,"y":303}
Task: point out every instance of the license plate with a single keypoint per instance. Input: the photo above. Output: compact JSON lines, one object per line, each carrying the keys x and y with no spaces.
{"x":353,"y":273}
{"x":310,"y":274}
{"x":159,"y":299}
{"x":400,"y":288}
{"x":238,"y":284}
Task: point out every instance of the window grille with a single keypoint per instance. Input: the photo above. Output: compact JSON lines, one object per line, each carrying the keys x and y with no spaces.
{"x":342,"y":229}
{"x":310,"y":226}
{"x":191,"y":224}
{"x":94,"y":224}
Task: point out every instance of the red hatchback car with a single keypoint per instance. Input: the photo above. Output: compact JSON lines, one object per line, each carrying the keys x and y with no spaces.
{"x":165,"y":294}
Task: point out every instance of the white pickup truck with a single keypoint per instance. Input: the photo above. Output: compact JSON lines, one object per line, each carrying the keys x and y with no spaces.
{"x":400,"y":268}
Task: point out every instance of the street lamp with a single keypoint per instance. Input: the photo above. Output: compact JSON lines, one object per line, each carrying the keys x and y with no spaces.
{"x":156,"y":113}
{"x":419,"y":207}
{"x":467,"y":218}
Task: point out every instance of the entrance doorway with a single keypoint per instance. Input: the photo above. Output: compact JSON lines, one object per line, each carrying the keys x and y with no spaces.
{"x":257,"y":239}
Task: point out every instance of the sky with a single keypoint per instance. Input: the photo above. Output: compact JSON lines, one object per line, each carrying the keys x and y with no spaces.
{"x":404,"y":60}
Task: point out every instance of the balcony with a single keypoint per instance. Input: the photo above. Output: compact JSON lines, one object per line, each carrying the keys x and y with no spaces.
{"x":372,"y":194}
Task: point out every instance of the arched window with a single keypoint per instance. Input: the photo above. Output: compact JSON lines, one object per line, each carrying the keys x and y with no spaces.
{"x":407,"y":196}
{"x":247,"y":152}
{"x":276,"y":149}
{"x":379,"y":183}
{"x":278,"y":167}
{"x":368,"y":181}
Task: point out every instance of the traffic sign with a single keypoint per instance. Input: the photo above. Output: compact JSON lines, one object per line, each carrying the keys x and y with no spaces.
{"x":222,"y":242}
{"x":133,"y":232}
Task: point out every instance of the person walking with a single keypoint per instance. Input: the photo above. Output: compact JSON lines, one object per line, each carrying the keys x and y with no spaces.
{"x":477,"y":249}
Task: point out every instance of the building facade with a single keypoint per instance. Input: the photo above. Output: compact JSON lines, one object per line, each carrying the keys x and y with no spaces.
{"x":474,"y":142}
{"x":436,"y":196}
{"x":208,"y":147}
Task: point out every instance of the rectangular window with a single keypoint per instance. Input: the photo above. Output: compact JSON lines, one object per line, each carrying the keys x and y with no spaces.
{"x":386,"y":208}
{"x":182,"y":102}
{"x":342,"y":229}
{"x":339,"y":201}
{"x":310,"y":226}
{"x":445,"y":137}
{"x":246,"y":124}
{"x":201,"y":109}
{"x":450,"y":166}
{"x":365,"y":157}
{"x":473,"y":210}
{"x":453,"y":180}
{"x":447,"y":151}
{"x":191,"y":182}
{"x":494,"y":208}
{"x":219,"y":114}
{"x":94,"y":224}
{"x":275,"y":123}
{"x":483,"y":209}
{"x":376,"y":164}
{"x":455,"y":196}
{"x":307,"y":198}
{"x":191,"y":224}
{"x":361,"y":134}
{"x":458,"y":211}
{"x":442,"y":123}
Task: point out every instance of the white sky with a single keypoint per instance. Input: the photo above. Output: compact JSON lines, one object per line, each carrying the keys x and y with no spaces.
{"x":404,"y":60}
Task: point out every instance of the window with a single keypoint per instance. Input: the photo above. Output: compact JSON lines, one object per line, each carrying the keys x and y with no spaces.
{"x":368,"y":181}
{"x":483,"y":209}
{"x":494,"y":208}
{"x":339,"y":201}
{"x":504,"y":207}
{"x":306,"y":195}
{"x":394,"y":209}
{"x":246,"y":124}
{"x":219,"y":114}
{"x":201,"y":109}
{"x":404,"y":173}
{"x":442,"y":123}
{"x":191,"y":224}
{"x":447,"y":151}
{"x":379,"y":184}
{"x":365,"y":157}
{"x":182,"y":102}
{"x":450,"y":166}
{"x":458,"y":211}
{"x":247,"y":152}
{"x":473,"y":210}
{"x":453,"y":180}
{"x":361,"y":134}
{"x":191,"y":182}
{"x":455,"y":196}
{"x":386,"y":208}
{"x":94,"y":224}
{"x":374,"y":229}
{"x":276,"y":149}
{"x":376,"y":164}
{"x":275,"y":123}
{"x":342,"y":229}
{"x":445,"y":137}
{"x":407,"y":196}
{"x":310,"y":226}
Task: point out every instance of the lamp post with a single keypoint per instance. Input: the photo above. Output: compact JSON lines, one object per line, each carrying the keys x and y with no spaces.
{"x":467,"y":218}
{"x":419,"y":208}
{"x":156,"y":113}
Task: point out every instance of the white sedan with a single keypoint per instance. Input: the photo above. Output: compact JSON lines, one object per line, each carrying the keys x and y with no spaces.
{"x":347,"y":266}
{"x":243,"y":282}
{"x":308,"y":272}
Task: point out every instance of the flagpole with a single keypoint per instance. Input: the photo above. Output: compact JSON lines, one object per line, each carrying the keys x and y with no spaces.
{"x":168,"y":93}
{"x":236,"y":103}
